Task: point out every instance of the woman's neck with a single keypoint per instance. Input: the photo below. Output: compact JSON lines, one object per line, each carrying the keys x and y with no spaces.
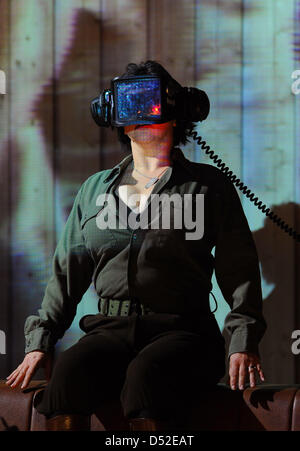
{"x":151,"y":159}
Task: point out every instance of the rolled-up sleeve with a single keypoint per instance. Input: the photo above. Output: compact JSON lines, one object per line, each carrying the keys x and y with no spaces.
{"x":72,"y":270}
{"x":238,"y":276}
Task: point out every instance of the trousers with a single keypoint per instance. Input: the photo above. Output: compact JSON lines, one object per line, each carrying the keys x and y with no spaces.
{"x":157,"y":362}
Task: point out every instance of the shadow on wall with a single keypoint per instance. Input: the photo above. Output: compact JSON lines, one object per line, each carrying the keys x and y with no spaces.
{"x":63,"y":107}
{"x":279,"y":256}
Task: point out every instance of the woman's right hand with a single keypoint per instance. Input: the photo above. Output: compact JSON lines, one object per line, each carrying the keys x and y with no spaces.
{"x":25,"y":371}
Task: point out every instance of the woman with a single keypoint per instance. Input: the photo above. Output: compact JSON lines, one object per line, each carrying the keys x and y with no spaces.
{"x":155,"y":343}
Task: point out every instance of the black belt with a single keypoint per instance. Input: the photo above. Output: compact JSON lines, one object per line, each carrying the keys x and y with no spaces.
{"x":117,"y":307}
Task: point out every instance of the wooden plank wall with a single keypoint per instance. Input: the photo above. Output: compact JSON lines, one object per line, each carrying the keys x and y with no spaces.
{"x":58,"y":55}
{"x":268,"y":165}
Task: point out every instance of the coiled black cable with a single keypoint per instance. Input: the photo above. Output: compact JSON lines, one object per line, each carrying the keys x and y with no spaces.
{"x":269,"y":213}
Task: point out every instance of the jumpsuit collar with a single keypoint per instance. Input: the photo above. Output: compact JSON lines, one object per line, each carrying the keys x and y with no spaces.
{"x":176,"y":154}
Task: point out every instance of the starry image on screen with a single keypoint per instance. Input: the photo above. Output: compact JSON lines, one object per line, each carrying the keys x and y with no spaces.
{"x":138,"y":99}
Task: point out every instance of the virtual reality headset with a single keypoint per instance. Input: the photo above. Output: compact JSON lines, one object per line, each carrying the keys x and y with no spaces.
{"x":148,"y":99}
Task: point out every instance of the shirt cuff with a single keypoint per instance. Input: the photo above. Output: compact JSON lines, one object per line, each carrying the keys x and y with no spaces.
{"x":241,"y":342}
{"x":39,"y":340}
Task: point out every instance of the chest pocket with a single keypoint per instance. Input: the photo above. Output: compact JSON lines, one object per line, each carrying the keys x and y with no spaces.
{"x":90,"y":215}
{"x":99,"y":240}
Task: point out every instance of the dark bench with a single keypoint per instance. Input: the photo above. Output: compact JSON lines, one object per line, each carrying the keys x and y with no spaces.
{"x":266,"y":407}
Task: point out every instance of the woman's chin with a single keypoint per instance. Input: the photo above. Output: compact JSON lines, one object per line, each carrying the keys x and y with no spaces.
{"x":144,"y":135}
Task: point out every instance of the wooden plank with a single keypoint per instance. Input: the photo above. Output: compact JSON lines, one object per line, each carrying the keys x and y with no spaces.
{"x":268,"y":159}
{"x":77,"y":32}
{"x":218,"y":61}
{"x":123,"y":40}
{"x":171,"y":42}
{"x":31,"y":156}
{"x":5,"y":313}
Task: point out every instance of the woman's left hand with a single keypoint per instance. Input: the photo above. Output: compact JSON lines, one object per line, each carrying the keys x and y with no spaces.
{"x":241,"y":366}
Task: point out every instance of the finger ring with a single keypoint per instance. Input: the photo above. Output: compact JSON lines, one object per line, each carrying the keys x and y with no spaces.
{"x":252,"y":367}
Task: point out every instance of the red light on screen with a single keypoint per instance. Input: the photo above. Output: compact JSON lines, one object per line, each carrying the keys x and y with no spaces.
{"x":155,"y":109}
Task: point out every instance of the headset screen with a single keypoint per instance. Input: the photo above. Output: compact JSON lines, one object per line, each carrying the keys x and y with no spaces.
{"x":138,"y":99}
